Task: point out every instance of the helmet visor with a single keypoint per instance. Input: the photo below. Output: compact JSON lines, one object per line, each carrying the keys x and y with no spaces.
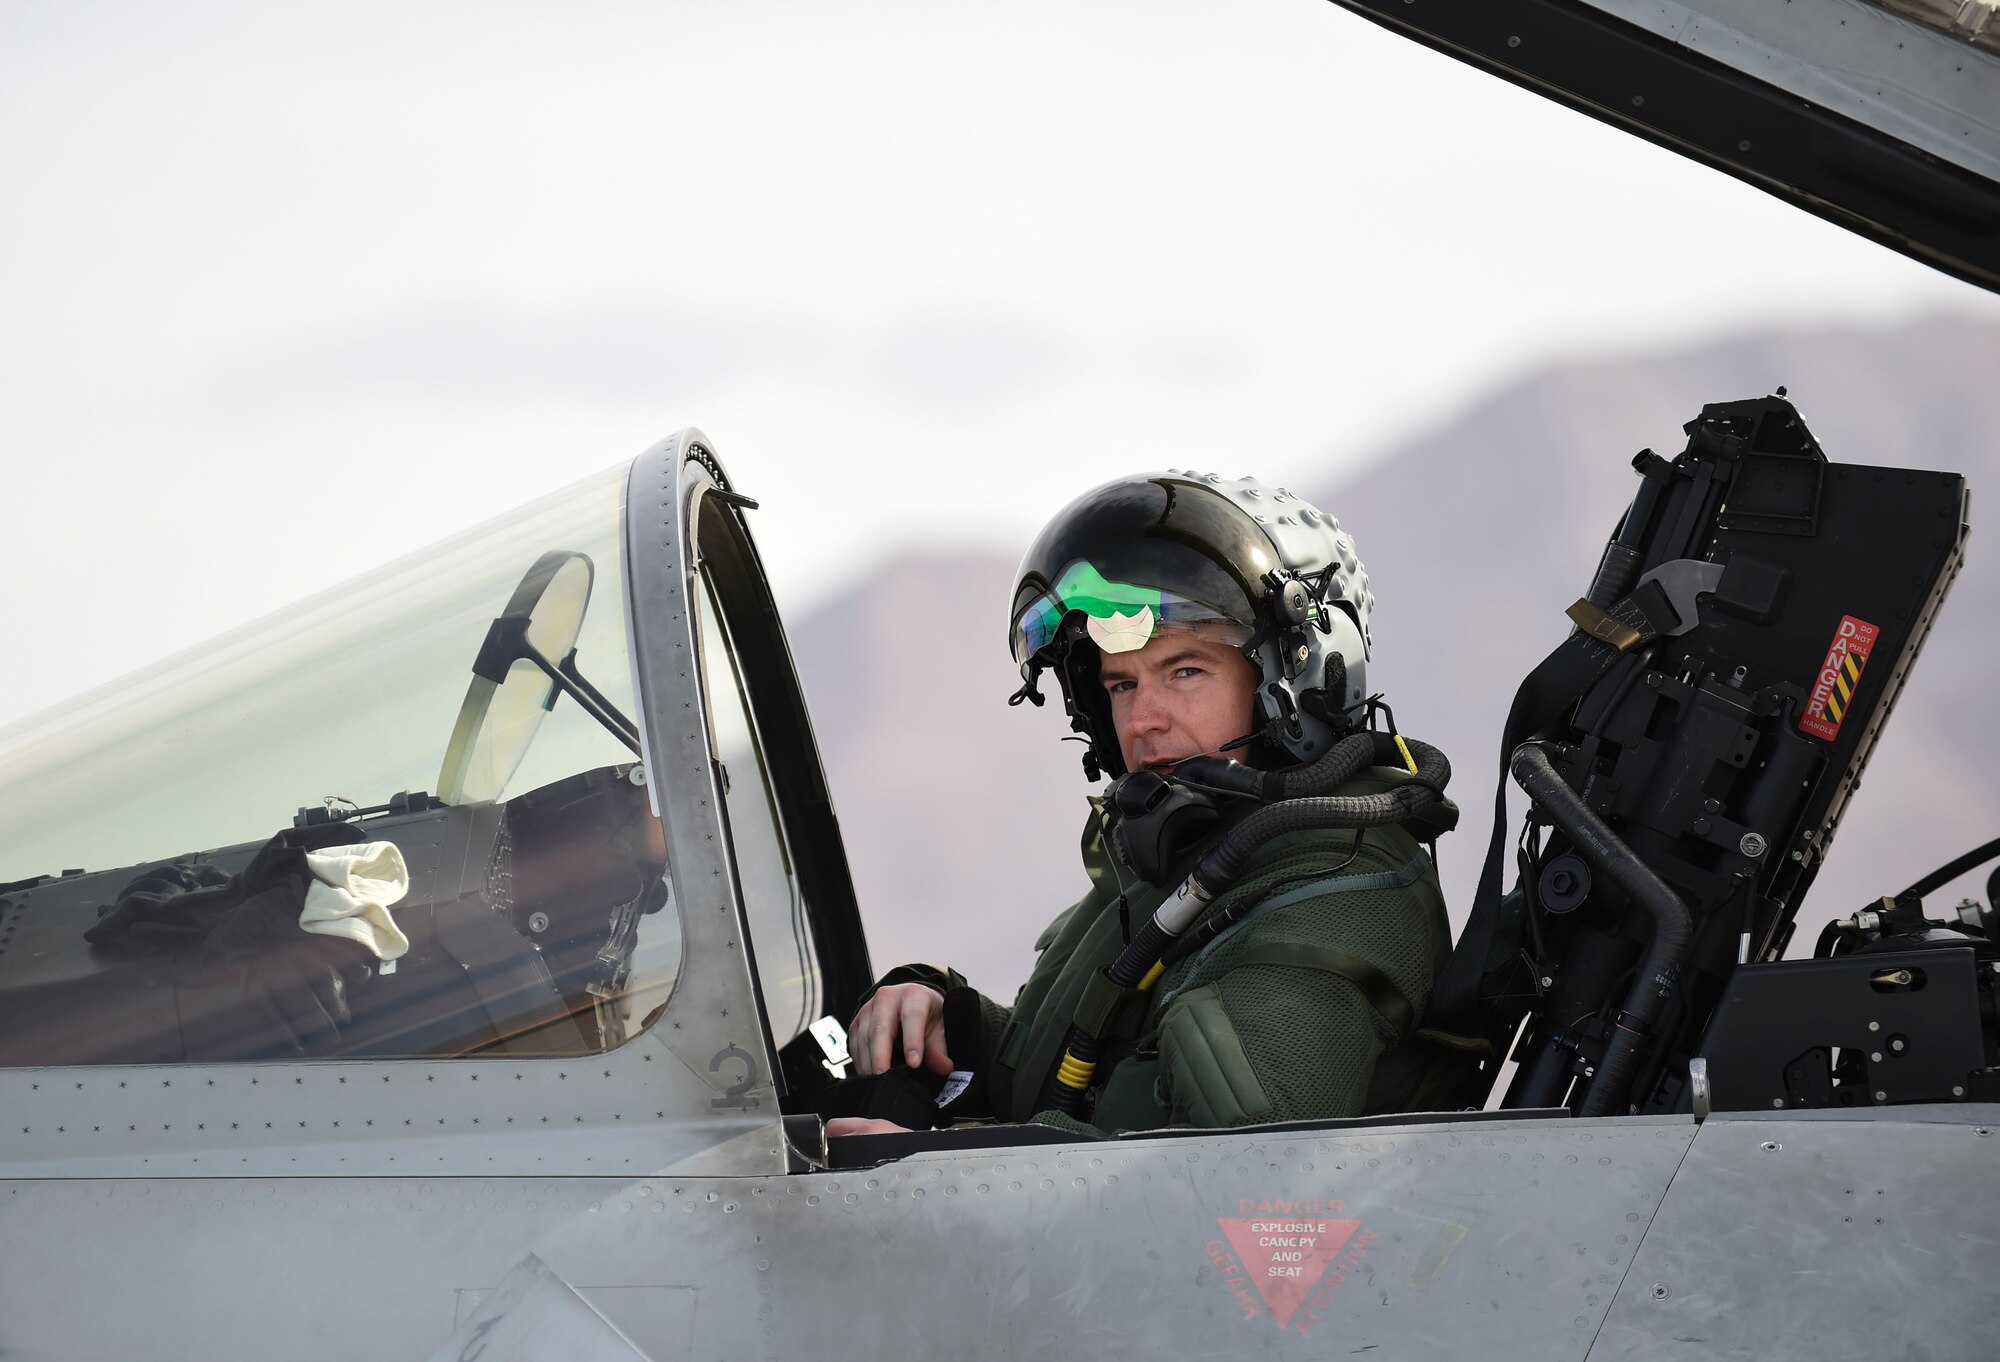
{"x":1118,"y":617}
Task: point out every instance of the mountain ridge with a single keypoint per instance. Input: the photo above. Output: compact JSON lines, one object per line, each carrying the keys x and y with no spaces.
{"x":1478,"y":531}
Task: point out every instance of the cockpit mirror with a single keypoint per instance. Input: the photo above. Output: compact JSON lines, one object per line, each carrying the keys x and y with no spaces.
{"x":527,"y":659}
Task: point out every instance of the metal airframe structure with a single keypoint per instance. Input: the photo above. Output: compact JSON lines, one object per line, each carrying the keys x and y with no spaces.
{"x":654,"y":1197}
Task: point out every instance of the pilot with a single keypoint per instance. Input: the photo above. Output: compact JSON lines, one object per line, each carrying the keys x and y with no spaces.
{"x":1185,"y":614}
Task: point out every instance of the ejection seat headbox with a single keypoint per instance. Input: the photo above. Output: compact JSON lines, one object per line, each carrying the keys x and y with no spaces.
{"x":1255,"y":564}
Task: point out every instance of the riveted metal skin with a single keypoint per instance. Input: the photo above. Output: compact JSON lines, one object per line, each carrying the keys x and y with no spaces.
{"x":532,"y":1315}
{"x":713,"y":1022}
{"x":1518,"y":1238}
{"x":389,"y":1194}
{"x":1527,"y":1238}
{"x":1893,"y":1205}
{"x":297,"y":1267}
{"x":1502,"y":1239}
{"x":644,"y":1203}
{"x":636,"y":1108}
{"x":694,"y":1091}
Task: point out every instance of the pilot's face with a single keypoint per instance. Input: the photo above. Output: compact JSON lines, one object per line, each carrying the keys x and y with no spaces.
{"x":1179,"y":696}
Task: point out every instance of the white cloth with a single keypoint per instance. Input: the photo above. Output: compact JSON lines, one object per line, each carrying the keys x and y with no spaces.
{"x":352,"y":890}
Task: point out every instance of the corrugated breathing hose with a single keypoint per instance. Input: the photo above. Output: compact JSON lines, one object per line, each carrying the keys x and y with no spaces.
{"x":1301,"y":804}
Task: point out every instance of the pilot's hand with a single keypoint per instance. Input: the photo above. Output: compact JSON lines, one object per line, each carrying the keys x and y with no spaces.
{"x":907,"y":1015}
{"x":862,"y":1125}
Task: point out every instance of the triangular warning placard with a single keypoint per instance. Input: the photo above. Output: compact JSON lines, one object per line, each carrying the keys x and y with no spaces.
{"x":1286,"y":1257}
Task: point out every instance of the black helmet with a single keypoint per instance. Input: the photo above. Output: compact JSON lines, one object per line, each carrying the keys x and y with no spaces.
{"x":1252,"y":564}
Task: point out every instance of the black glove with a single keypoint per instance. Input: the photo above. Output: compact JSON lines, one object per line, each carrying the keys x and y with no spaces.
{"x":296,"y":979}
{"x":159,"y":895}
{"x":918,"y":1099}
{"x":243,"y":932}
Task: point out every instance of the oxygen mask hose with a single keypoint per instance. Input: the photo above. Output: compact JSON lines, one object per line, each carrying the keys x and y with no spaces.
{"x":1430,"y":772}
{"x":1300,"y":809}
{"x":1342,"y":762}
{"x":1133,"y":973}
{"x":1302,"y":803}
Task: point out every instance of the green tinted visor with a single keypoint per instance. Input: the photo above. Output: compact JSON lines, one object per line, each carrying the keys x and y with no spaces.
{"x":1119,"y":617}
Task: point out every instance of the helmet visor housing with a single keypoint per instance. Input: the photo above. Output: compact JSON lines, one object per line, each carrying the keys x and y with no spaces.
{"x":1119,"y":617}
{"x":1133,"y":558}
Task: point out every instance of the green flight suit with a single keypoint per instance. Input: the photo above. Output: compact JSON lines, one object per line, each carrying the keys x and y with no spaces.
{"x":1304,"y":1009}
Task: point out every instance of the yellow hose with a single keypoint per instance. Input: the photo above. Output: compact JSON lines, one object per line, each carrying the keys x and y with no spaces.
{"x":1404,"y":748}
{"x":1075,"y":1073}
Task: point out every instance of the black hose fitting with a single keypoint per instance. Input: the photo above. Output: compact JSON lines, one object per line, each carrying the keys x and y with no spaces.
{"x":1673,"y":930}
{"x":1297,"y":813}
{"x":1146,"y":946}
{"x":1342,"y":762}
{"x":1300,"y":803}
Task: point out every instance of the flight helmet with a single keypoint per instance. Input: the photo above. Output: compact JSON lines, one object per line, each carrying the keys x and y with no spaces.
{"x":1233,"y":558}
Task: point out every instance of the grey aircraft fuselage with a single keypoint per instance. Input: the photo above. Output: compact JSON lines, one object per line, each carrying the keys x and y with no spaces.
{"x":652,"y":1201}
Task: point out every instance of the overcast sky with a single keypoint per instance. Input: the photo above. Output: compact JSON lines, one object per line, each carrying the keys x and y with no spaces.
{"x":291,"y":290}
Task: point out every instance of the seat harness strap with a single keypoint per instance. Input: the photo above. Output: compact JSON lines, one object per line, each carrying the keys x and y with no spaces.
{"x":1547,"y":695}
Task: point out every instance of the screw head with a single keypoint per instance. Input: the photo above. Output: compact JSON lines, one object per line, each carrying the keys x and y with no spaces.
{"x":1752,"y":845}
{"x":1660,"y":1291}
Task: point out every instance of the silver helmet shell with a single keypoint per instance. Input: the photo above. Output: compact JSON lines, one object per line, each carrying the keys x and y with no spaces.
{"x":1258,"y":554}
{"x":1310,"y":544}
